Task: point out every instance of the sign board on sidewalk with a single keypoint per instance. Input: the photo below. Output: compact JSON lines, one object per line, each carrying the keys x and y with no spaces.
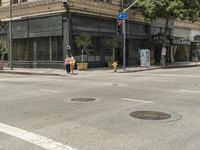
{"x":122,"y":15}
{"x":164,"y":51}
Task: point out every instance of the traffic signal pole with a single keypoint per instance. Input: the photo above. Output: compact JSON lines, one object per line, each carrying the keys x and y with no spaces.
{"x":124,"y":43}
{"x":10,"y":35}
{"x":124,"y":34}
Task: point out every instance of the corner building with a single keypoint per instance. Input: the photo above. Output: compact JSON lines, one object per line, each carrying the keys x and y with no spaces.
{"x":42,"y":29}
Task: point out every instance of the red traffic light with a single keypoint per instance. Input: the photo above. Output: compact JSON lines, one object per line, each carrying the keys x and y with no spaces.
{"x":119,"y":25}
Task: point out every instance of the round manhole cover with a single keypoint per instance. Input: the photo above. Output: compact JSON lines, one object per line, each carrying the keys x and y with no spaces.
{"x":150,"y":115}
{"x":83,"y":99}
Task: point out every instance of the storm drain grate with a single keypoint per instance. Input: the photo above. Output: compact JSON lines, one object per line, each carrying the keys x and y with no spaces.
{"x":150,"y":115}
{"x":83,"y":99}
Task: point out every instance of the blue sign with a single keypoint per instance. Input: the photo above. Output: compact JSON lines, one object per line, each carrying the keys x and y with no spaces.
{"x":122,"y":16}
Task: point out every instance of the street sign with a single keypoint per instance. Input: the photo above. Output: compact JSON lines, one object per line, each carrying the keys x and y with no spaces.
{"x":122,"y":15}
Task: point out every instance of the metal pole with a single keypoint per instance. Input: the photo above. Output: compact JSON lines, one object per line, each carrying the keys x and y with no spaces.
{"x":10,"y":35}
{"x":35,"y":53}
{"x":124,"y":43}
{"x":124,"y":33}
{"x":131,"y":6}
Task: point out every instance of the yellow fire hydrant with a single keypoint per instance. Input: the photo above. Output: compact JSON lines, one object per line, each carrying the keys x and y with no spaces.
{"x":114,"y":64}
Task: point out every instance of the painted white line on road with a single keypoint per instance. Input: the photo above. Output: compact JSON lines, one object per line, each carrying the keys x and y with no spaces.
{"x":50,"y":91}
{"x":189,"y":91}
{"x":33,"y":138}
{"x":136,"y":100}
{"x":156,"y":80}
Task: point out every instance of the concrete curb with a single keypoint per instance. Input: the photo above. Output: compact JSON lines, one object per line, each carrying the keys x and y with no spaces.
{"x":166,"y":67}
{"x":123,"y":71}
{"x":139,"y":70}
{"x":181,"y":66}
{"x":29,"y":73}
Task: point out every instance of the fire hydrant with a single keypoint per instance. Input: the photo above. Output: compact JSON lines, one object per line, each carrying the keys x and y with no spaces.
{"x":114,"y":64}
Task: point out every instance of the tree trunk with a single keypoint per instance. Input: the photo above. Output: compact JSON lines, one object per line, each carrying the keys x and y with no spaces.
{"x":82,"y":56}
{"x":164,"y":46}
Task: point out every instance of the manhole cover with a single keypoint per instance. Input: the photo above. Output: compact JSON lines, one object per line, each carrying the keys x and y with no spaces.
{"x":150,"y":115}
{"x":83,"y":99}
{"x":115,"y":84}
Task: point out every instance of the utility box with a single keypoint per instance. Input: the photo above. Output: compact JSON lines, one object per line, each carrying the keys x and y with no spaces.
{"x":145,"y":58}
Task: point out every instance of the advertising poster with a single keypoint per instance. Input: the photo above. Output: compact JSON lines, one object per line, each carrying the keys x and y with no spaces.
{"x":145,"y":58}
{"x":164,"y":51}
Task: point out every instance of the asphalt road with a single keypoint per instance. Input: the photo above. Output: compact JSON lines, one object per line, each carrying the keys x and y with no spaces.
{"x":36,"y":112}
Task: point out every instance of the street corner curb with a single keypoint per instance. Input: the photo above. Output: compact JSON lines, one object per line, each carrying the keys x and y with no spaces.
{"x":139,"y":70}
{"x":180,"y":66}
{"x":28,"y":73}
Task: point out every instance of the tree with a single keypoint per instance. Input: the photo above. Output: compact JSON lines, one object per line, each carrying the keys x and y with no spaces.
{"x":83,"y":42}
{"x":111,"y":43}
{"x":169,"y":10}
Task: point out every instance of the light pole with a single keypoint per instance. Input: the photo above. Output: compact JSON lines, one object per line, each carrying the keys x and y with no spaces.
{"x":66,"y":39}
{"x":10,"y":35}
{"x":124,"y":43}
{"x":124,"y":33}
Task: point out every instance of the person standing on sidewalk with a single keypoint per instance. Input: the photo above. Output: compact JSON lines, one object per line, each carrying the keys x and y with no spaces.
{"x":72,"y":64}
{"x":67,"y":63}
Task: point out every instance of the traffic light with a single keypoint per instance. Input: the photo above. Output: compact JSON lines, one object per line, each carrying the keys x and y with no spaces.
{"x":119,"y":26}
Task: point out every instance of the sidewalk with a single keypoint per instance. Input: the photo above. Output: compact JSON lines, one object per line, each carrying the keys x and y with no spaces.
{"x":62,"y":72}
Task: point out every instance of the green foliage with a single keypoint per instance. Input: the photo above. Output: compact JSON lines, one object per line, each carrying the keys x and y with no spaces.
{"x":191,"y":9}
{"x":83,"y":41}
{"x":170,"y":9}
{"x":110,"y":43}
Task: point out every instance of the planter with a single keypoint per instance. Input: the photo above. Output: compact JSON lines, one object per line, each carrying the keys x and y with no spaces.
{"x":194,"y":59}
{"x":82,"y":66}
{"x":1,"y":64}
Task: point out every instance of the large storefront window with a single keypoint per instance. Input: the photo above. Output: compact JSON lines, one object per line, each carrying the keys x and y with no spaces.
{"x":3,"y":45}
{"x":22,"y":50}
{"x":92,"y":54}
{"x":95,"y":53}
{"x":182,"y":53}
{"x":46,"y":49}
{"x":195,"y":48}
{"x":57,"y":48}
{"x":43,"y":49}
